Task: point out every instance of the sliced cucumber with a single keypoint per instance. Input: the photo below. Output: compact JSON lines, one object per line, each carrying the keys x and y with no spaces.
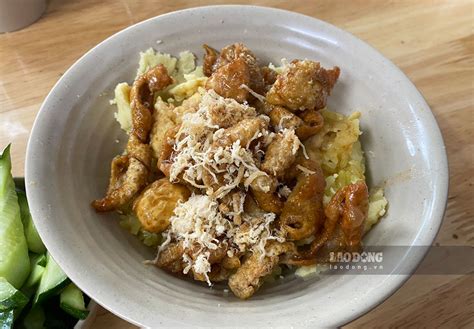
{"x":32,"y":237}
{"x":37,"y":267}
{"x":6,"y":319}
{"x":14,"y":261}
{"x":35,"y":318}
{"x":72,"y":301}
{"x":10,"y":297}
{"x":37,"y":259}
{"x":52,"y":281}
{"x":35,"y":276}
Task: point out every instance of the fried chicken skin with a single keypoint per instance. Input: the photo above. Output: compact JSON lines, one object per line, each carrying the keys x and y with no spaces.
{"x":303,"y":212}
{"x":303,"y":85}
{"x":129,"y":173}
{"x":343,"y":227}
{"x":249,"y":277}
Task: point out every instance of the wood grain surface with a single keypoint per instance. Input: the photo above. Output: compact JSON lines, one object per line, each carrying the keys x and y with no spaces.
{"x":431,"y":41}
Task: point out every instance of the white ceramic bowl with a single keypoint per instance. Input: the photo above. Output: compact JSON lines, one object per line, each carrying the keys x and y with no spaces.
{"x":73,"y":141}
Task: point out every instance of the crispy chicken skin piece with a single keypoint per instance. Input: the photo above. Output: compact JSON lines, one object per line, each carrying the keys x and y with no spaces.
{"x":228,"y":113}
{"x":303,"y":85}
{"x":129,"y":174}
{"x":244,"y":131}
{"x":142,"y":152}
{"x":240,"y":51}
{"x":313,"y":122}
{"x":303,"y":212}
{"x":210,"y":59}
{"x":280,"y":153}
{"x":281,"y":118}
{"x":249,"y":277}
{"x":215,"y":258}
{"x":171,"y":258}
{"x":279,"y":156}
{"x":343,"y":227}
{"x":220,"y":271}
{"x":155,"y":205}
{"x":141,"y":99}
{"x":268,"y":201}
{"x":163,"y":119}
{"x":167,"y":120}
{"x":269,"y":76}
{"x":189,"y":105}
{"x":164,"y":163}
{"x":306,"y":124}
{"x":228,"y":70}
{"x":228,"y":79}
{"x":349,"y":206}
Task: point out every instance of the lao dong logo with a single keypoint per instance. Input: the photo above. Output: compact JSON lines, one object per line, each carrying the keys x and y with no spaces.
{"x":356,"y":257}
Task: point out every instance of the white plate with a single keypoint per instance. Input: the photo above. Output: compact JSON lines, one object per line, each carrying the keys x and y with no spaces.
{"x":73,"y":141}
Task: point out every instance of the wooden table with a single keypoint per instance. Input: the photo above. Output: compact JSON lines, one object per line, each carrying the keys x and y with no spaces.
{"x":431,"y":41}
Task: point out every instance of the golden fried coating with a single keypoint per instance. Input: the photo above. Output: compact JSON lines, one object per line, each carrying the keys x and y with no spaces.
{"x":164,"y":119}
{"x":303,"y":213}
{"x":228,"y":113}
{"x":218,"y":274}
{"x":210,"y":59}
{"x":281,"y":118}
{"x":306,"y":123}
{"x":141,"y":99}
{"x":249,"y":277}
{"x":164,"y":163}
{"x":244,"y":131}
{"x":128,"y":176}
{"x":231,"y":263}
{"x":221,"y":271}
{"x":189,"y":105}
{"x":243,"y":196}
{"x":138,"y":150}
{"x":349,"y":206}
{"x":240,"y":51}
{"x":228,"y":79}
{"x":343,"y":227}
{"x":269,"y":76}
{"x":313,"y":122}
{"x":171,"y":258}
{"x":265,"y":183}
{"x":303,"y":85}
{"x":279,"y":156}
{"x":155,"y":205}
{"x":268,"y":201}
{"x":280,"y":153}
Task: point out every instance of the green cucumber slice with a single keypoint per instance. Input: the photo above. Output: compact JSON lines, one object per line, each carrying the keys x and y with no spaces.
{"x":10,"y":297}
{"x":35,"y":276}
{"x":72,"y":302}
{"x":14,"y":261}
{"x":37,"y":267}
{"x":36,"y":259}
{"x":6,"y":319}
{"x":32,"y":237}
{"x":52,"y":281}
{"x":35,"y":318}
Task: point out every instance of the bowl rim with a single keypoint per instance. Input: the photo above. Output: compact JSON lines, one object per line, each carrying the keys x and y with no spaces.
{"x":393,"y":281}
